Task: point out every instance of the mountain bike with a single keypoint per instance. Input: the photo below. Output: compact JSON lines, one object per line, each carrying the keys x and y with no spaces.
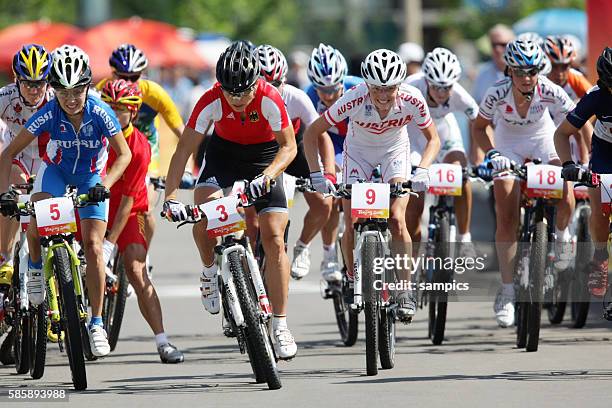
{"x":245,"y":303}
{"x":66,"y":300}
{"x":372,"y":237}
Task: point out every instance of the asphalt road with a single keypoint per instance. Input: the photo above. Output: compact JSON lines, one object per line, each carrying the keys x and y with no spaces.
{"x":477,"y":365}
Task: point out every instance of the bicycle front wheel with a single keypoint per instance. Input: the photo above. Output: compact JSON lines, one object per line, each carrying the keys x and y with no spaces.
{"x":71,"y":321}
{"x":581,"y":298}
{"x":371,"y":303}
{"x":537,"y":265}
{"x":38,"y":340}
{"x":438,"y":299}
{"x":20,"y":331}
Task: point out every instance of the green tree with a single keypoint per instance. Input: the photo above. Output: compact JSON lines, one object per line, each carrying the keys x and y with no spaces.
{"x":14,"y":12}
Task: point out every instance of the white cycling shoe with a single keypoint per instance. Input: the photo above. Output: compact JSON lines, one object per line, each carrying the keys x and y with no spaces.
{"x":36,"y":286}
{"x":301,"y":262}
{"x":98,"y":341}
{"x":330,"y":271}
{"x":504,"y":308}
{"x":210,"y":294}
{"x":284,"y":344}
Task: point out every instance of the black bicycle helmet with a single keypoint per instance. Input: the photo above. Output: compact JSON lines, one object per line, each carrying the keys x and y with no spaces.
{"x":604,"y":67}
{"x":237,"y":68}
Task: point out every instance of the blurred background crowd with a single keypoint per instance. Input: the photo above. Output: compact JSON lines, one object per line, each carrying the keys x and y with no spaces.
{"x":183,"y":38}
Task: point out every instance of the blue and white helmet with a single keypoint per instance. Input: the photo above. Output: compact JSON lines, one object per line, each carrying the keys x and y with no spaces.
{"x":524,"y":55}
{"x":326,"y":67}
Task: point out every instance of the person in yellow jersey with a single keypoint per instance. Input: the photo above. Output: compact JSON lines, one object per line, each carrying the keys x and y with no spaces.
{"x":128,"y":62}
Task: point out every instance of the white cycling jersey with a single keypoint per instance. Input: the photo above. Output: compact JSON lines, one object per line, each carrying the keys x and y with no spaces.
{"x":532,"y":136}
{"x":299,"y":106}
{"x":367,"y":129}
{"x":16,"y":113}
{"x":371,"y":140}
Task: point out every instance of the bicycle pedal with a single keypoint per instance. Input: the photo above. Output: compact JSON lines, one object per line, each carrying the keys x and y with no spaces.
{"x":228,"y":332}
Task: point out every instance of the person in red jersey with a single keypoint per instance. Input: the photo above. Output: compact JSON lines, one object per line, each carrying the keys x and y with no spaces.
{"x":254,"y":140}
{"x":128,"y":205}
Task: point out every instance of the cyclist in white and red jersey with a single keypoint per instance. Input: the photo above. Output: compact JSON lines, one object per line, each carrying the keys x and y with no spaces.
{"x":253,"y":140}
{"x":379,"y":112}
{"x":522,"y":105}
{"x":302,"y":113}
{"x":19,"y":101}
{"x":444,"y":96}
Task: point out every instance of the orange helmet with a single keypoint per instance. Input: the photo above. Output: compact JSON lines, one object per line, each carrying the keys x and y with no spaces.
{"x":122,"y":92}
{"x":559,"y":49}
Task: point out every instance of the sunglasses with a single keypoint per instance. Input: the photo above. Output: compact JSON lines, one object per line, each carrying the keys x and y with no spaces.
{"x":127,"y":77}
{"x":521,"y":73}
{"x":329,"y":90}
{"x":561,"y":67}
{"x":388,"y":89}
{"x":33,"y":84}
{"x":239,"y":95}
{"x":276,"y":83}
{"x":74,"y":92}
{"x":438,"y":88}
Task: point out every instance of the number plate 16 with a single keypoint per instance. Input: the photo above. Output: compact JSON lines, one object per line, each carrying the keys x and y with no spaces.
{"x":445,"y":179}
{"x":544,"y":180}
{"x":222,"y":216}
{"x":370,"y":200}
{"x":55,"y":216}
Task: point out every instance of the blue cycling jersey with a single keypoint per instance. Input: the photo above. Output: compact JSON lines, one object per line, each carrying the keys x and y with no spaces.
{"x":76,"y":152}
{"x":596,"y":102}
{"x":338,"y":132}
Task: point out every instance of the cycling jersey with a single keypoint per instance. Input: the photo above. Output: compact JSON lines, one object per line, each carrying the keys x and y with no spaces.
{"x":596,"y":102}
{"x":132,"y":182}
{"x":155,"y":100}
{"x":76,"y":152}
{"x":264,"y":115}
{"x":577,"y":85}
{"x":532,"y":136}
{"x":15,"y":113}
{"x":371,"y":140}
{"x":299,"y":106}
{"x":338,"y":131}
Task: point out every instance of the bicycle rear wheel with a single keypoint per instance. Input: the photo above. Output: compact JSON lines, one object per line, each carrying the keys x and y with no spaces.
{"x":438,"y":299}
{"x":371,"y":303}
{"x":537,"y":264}
{"x":38,"y":340}
{"x":579,"y":290}
{"x":70,"y":317}
{"x":114,"y":303}
{"x":259,"y":347}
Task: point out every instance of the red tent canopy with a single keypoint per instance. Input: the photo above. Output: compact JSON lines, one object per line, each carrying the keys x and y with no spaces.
{"x":42,"y":32}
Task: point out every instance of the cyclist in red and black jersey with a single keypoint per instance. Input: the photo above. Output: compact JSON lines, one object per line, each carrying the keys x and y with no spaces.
{"x":253,"y":140}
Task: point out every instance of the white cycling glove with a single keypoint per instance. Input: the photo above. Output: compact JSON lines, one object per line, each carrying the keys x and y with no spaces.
{"x":174,"y":210}
{"x":323,"y":183}
{"x":420,"y":180}
{"x":498,"y":161}
{"x":260,"y":186}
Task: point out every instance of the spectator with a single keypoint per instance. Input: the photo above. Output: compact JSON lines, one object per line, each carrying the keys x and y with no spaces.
{"x":492,"y":71}
{"x":413,"y":55}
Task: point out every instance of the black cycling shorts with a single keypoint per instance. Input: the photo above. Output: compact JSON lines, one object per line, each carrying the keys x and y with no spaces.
{"x":226,"y":162}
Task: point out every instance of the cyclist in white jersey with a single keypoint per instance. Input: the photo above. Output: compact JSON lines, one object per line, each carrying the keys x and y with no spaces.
{"x":438,"y":83}
{"x":302,"y":113}
{"x":522,"y":104}
{"x":379,"y":113}
{"x":19,"y":101}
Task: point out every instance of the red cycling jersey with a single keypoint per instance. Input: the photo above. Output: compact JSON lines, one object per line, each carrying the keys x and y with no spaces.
{"x":263,"y":116}
{"x":132,"y":183}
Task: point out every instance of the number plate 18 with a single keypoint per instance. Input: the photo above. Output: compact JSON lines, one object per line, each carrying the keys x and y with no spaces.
{"x":544,"y":180}
{"x":55,"y":216}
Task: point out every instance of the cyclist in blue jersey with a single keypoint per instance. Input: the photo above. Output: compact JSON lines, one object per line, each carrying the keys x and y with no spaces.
{"x":327,"y":71}
{"x":598,"y":102}
{"x":73,"y":157}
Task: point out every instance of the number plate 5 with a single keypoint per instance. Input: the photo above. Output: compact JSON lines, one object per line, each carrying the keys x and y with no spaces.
{"x":55,"y":216}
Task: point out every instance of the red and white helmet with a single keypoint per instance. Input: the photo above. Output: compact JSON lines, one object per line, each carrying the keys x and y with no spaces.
{"x":559,"y":49}
{"x":272,"y":62}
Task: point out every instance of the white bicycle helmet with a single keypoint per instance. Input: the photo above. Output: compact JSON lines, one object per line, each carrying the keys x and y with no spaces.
{"x":524,"y":55}
{"x":441,"y":67}
{"x":70,"y":68}
{"x":272,"y":62}
{"x":383,"y":68}
{"x":326,"y":67}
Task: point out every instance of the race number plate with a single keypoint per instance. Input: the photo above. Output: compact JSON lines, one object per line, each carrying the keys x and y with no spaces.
{"x":289,"y":184}
{"x":544,"y":181}
{"x":55,"y":216}
{"x":445,"y":179}
{"x":605,"y":182}
{"x":370,"y":200}
{"x":222,"y":216}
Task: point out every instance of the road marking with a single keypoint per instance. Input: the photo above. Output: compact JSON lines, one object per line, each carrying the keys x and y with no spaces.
{"x":193,"y":291}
